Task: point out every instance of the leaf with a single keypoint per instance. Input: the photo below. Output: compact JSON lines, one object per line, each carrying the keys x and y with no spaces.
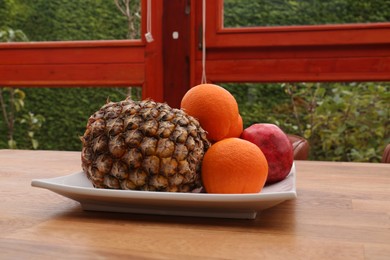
{"x":11,"y":35}
{"x":34,"y":144}
{"x":12,"y":144}
{"x":18,"y":104}
{"x":20,"y":93}
{"x":30,"y":134}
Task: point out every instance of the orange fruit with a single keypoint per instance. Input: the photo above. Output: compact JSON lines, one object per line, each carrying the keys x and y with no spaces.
{"x":234,"y":165}
{"x":236,"y":129}
{"x":214,"y":107}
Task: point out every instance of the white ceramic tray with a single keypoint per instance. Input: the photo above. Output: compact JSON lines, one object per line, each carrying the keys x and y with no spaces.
{"x":77,"y":187}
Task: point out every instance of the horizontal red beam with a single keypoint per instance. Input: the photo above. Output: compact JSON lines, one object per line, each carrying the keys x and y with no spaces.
{"x":72,"y":75}
{"x":300,"y":38}
{"x":304,"y":35}
{"x":71,"y":44}
{"x":288,"y":70}
{"x":90,"y":63}
{"x":65,"y":52}
{"x":314,"y":52}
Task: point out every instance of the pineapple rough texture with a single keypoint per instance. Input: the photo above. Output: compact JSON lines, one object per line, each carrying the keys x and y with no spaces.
{"x":143,"y":145}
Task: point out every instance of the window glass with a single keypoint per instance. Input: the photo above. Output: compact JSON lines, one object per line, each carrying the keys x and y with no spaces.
{"x":61,"y":20}
{"x":246,"y":13}
{"x":341,"y":121}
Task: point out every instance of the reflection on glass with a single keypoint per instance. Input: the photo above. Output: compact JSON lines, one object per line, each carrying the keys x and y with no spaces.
{"x":245,"y":13}
{"x":61,"y":20}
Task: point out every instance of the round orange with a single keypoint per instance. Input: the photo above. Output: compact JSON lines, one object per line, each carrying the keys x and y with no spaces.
{"x":214,"y":107}
{"x":234,"y":165}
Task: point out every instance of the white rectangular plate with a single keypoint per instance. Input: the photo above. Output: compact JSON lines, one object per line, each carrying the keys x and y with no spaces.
{"x":77,"y":187}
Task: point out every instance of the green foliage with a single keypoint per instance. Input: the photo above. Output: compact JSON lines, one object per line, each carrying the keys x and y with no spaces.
{"x":303,"y":12}
{"x":33,"y":124}
{"x":55,"y":20}
{"x":12,"y":103}
{"x":342,"y":121}
{"x":14,"y":117}
{"x":351,"y":123}
{"x":13,"y":12}
{"x":9,"y":35}
{"x":256,"y":101}
{"x":66,"y":112}
{"x":338,"y":119}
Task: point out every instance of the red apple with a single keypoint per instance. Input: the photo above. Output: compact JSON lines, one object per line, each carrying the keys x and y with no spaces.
{"x":276,"y":147}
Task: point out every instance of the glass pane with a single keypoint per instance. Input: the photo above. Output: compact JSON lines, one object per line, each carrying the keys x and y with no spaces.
{"x":341,"y":121}
{"x":61,"y":20}
{"x":244,"y":13}
{"x":54,"y":117}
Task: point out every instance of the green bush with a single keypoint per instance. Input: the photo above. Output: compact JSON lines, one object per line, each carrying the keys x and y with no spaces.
{"x":349,"y":123}
{"x":256,"y":101}
{"x":342,"y":121}
{"x":62,"y":20}
{"x":66,"y":112}
{"x":303,"y":12}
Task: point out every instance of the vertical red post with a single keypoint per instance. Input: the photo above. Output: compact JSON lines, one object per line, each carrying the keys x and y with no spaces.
{"x":153,"y":87}
{"x":176,"y":31}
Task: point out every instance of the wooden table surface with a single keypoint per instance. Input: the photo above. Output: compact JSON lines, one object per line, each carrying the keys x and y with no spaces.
{"x":342,"y":212}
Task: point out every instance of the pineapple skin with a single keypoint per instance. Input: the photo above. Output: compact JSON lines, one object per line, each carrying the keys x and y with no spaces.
{"x":143,"y":145}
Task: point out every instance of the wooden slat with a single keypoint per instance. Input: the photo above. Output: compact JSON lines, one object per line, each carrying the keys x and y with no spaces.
{"x":72,"y":75}
{"x":301,"y":38}
{"x":153,"y":86}
{"x":59,"y":54}
{"x":176,"y":51}
{"x":306,"y":52}
{"x":282,"y":70}
{"x":92,"y":63}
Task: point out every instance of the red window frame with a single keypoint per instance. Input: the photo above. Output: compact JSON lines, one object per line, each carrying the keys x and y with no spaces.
{"x":88,"y":63}
{"x":346,"y":52}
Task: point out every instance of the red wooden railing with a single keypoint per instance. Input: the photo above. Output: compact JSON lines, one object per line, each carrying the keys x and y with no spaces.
{"x":88,"y":63}
{"x":166,"y":68}
{"x":348,"y":52}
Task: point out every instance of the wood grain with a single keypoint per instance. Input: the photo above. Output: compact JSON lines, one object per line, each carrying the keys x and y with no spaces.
{"x":105,"y":63}
{"x":299,"y":69}
{"x":342,"y":212}
{"x":73,"y":75}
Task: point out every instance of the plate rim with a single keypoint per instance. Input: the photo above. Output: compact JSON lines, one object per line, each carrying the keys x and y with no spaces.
{"x":50,"y":184}
{"x":243,"y":206}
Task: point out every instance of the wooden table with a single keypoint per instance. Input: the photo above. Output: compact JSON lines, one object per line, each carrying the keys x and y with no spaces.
{"x":342,"y":212}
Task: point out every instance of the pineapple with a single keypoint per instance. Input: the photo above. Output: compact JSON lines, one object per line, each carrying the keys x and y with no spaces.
{"x":143,"y":145}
